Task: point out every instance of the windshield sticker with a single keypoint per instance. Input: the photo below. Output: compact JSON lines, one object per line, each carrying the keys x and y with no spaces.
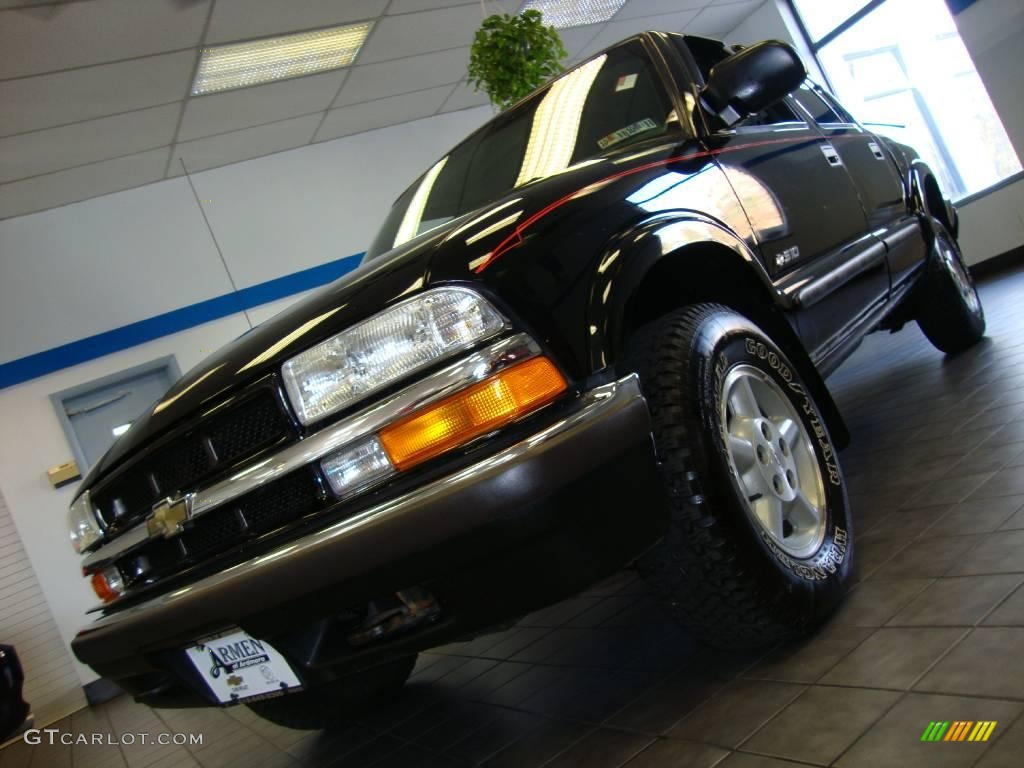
{"x":625,"y":82}
{"x":624,"y":133}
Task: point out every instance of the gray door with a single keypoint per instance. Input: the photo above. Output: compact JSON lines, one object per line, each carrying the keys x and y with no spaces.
{"x":99,"y":414}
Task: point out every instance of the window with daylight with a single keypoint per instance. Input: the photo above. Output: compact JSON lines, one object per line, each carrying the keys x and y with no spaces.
{"x":900,"y":67}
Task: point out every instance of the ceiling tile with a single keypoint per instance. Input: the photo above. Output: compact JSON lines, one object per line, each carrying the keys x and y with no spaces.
{"x":719,"y":20}
{"x":396,"y":36}
{"x":244,"y":19}
{"x":411,"y":6}
{"x":74,"y":184}
{"x":464,"y":97}
{"x":43,"y":101}
{"x":243,"y":145}
{"x":615,"y":31}
{"x":30,"y":154}
{"x":53,"y":37}
{"x":221,"y":112}
{"x":575,"y":39}
{"x":25,"y":3}
{"x":634,"y":8}
{"x":376,"y":114}
{"x":414,"y":73}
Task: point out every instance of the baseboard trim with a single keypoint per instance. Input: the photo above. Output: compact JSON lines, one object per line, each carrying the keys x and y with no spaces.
{"x":99,"y":691}
{"x":1010,"y":259}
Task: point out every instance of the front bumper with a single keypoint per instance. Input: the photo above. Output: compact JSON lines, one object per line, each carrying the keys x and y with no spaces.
{"x":537,"y":521}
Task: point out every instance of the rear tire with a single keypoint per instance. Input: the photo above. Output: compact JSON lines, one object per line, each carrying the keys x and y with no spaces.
{"x":740,"y":565}
{"x":332,"y":704}
{"x":948,"y":308}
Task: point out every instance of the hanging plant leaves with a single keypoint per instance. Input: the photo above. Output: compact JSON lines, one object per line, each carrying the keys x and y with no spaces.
{"x":512,"y":55}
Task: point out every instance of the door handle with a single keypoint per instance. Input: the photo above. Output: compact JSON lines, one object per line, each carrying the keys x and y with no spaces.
{"x":831,"y":155}
{"x":876,"y":151}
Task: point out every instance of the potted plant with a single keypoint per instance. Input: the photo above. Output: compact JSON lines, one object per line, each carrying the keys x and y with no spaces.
{"x":512,"y":55}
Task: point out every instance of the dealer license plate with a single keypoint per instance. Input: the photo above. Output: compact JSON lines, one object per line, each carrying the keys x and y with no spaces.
{"x":236,"y":666}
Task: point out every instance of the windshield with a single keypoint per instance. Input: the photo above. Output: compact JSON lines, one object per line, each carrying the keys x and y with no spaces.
{"x":609,"y":102}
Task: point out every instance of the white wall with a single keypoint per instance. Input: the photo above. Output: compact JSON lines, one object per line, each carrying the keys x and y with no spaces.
{"x":51,"y":687}
{"x":994,"y":224}
{"x":93,"y":266}
{"x":993,"y":31}
{"x":125,"y":257}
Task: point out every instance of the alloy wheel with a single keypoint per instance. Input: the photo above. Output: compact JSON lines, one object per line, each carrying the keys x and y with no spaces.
{"x":773,"y":461}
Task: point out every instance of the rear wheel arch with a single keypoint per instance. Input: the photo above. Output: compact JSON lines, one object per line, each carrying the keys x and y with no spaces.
{"x":928,"y":200}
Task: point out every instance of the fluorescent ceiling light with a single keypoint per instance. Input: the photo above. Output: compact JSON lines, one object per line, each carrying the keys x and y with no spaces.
{"x":277,"y":58}
{"x":565,"y":13}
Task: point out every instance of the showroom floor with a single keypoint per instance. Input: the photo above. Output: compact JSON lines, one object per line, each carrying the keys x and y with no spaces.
{"x":933,"y":630}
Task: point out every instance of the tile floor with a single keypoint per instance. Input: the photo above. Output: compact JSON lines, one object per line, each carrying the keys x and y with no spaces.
{"x":932,"y":630}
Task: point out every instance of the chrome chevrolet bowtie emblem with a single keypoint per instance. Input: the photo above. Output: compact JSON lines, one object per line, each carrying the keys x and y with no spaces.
{"x":168,"y":516}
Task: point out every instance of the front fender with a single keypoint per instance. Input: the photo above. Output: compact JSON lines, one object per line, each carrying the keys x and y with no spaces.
{"x":707,"y":262}
{"x":630,"y":257}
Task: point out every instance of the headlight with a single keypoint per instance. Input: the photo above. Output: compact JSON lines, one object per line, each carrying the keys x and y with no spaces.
{"x":389,"y":346}
{"x":84,"y":528}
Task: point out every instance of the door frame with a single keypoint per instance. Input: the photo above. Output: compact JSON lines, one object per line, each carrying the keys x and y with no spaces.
{"x":168,"y":362}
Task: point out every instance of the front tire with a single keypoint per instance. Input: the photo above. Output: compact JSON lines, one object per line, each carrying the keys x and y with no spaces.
{"x":949,"y":309}
{"x":759,"y":546}
{"x":329,"y":705}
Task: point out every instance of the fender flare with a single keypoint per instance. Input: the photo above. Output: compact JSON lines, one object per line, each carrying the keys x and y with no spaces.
{"x":918,"y":175}
{"x":627,"y":262}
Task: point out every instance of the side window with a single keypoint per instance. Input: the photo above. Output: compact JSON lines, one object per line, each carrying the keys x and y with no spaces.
{"x":706,"y":53}
{"x":823,"y":110}
{"x":778,"y":113}
{"x":838,"y":108}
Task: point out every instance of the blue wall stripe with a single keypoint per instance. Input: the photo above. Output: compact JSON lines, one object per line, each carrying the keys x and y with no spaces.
{"x":956,"y":6}
{"x":50,"y":360}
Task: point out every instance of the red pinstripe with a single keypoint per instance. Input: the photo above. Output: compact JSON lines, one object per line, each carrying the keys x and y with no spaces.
{"x":516,"y":236}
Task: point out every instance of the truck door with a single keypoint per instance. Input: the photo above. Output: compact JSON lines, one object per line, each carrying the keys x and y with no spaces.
{"x":875,"y":177}
{"x":805,"y":211}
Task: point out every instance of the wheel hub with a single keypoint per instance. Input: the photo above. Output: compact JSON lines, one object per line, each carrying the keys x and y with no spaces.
{"x":774,"y":460}
{"x":773,"y":463}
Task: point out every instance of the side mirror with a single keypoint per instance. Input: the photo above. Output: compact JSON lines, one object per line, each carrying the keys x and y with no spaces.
{"x":752,"y":79}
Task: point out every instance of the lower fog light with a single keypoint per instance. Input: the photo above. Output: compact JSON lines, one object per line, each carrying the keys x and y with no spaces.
{"x":357,"y":466}
{"x":108,"y":584}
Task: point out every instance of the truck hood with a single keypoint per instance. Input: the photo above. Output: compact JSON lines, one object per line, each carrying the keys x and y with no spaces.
{"x":449,"y":253}
{"x":260,"y":351}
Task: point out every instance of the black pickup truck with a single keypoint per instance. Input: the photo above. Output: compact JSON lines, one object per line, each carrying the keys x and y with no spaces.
{"x":593,"y":334}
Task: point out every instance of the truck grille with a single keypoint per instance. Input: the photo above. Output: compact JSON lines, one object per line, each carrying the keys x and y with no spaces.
{"x":247,"y":517}
{"x":192,"y":457}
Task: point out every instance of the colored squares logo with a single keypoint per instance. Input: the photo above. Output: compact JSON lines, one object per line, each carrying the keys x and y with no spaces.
{"x":959,"y":730}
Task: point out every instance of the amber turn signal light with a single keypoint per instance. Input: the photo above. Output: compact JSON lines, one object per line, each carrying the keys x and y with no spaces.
{"x":107,"y":584}
{"x":102,"y":589}
{"x":479,"y":409}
